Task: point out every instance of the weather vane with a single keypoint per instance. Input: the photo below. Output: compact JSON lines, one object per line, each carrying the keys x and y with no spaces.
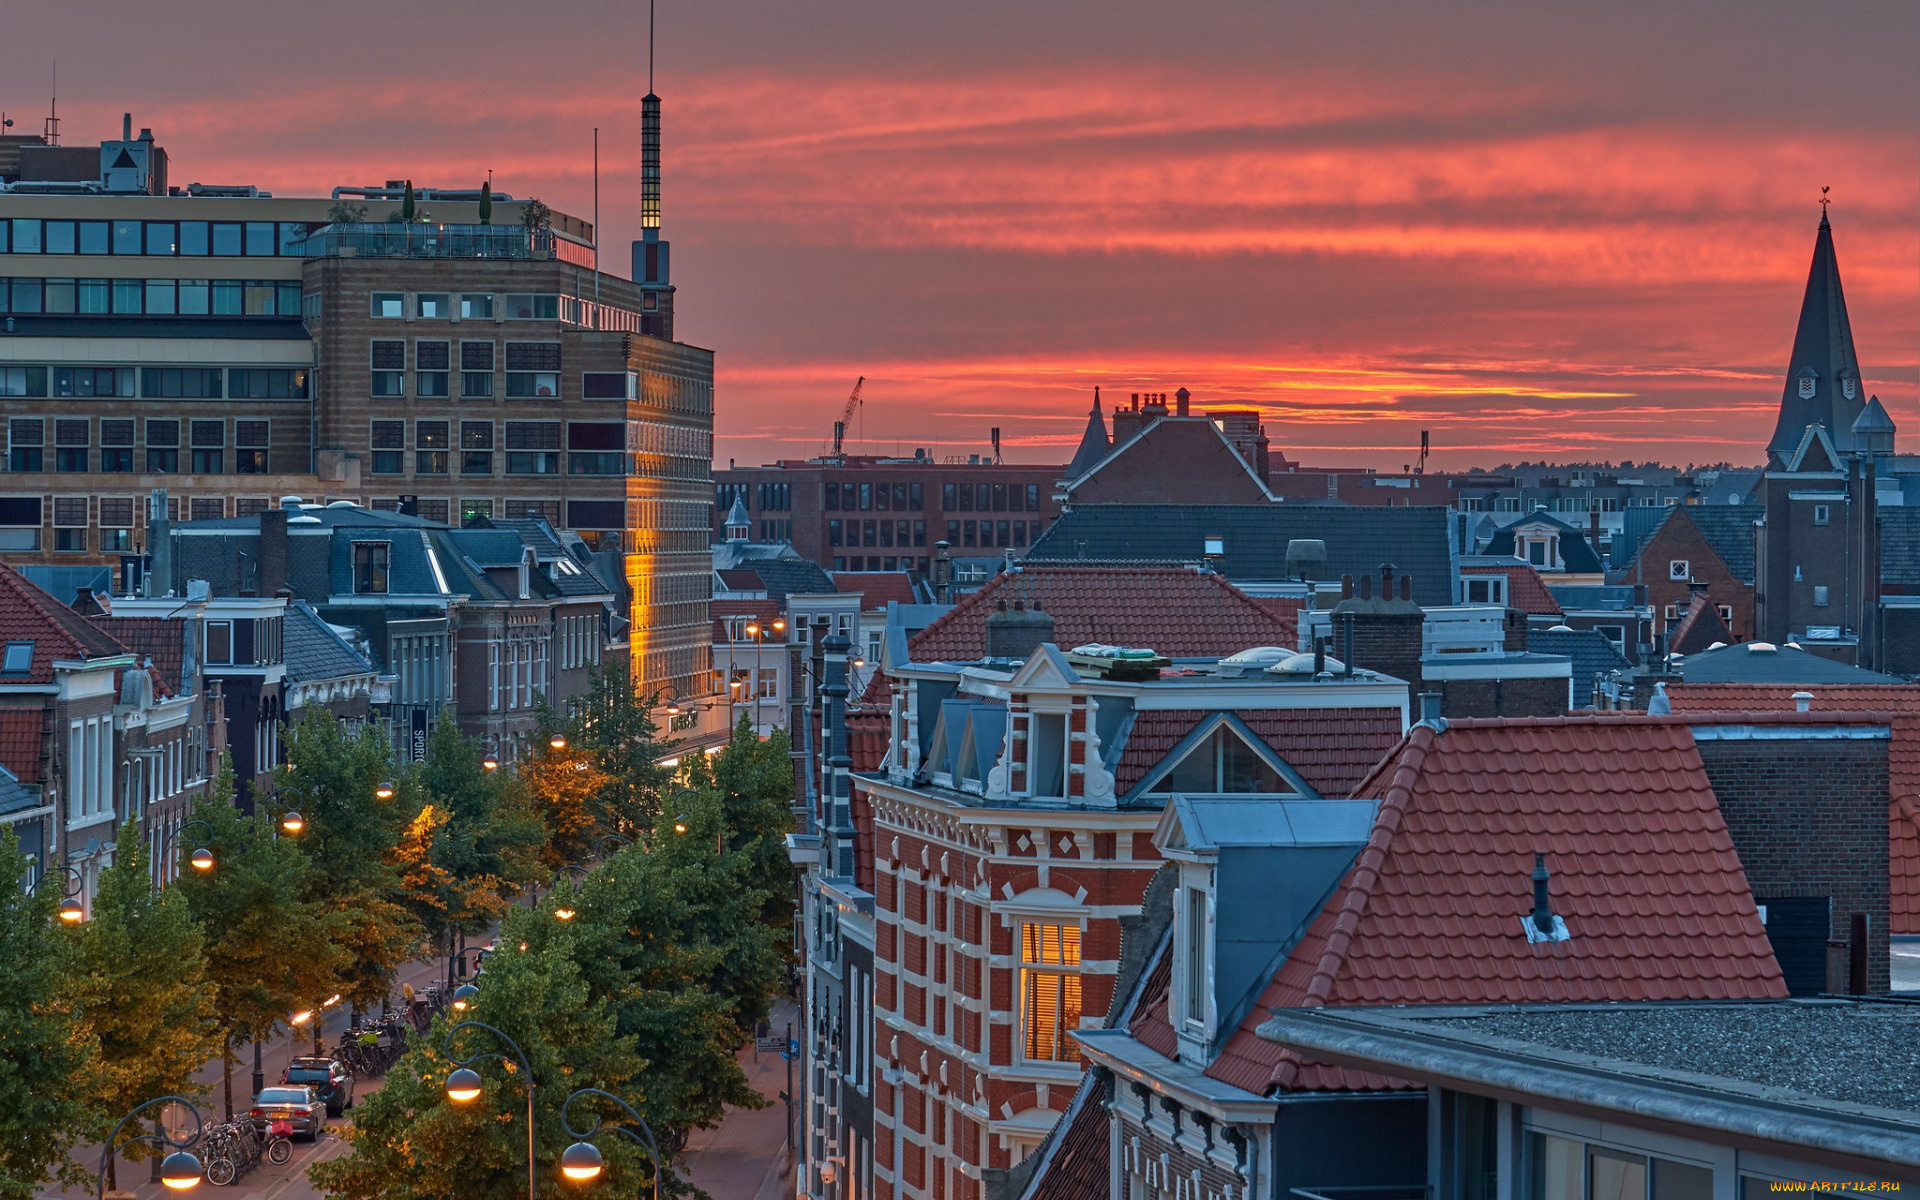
{"x":1824,"y":201}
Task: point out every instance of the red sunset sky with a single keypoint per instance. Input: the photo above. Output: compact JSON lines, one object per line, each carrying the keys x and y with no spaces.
{"x":1541,"y":229}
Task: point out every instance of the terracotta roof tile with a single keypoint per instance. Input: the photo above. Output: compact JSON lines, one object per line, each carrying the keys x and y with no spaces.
{"x":1644,"y":873}
{"x":22,"y":743}
{"x":1150,"y":1024}
{"x":1526,"y":591}
{"x":1077,"y":1165}
{"x":28,"y":614}
{"x":157,"y":638}
{"x":1332,"y":748}
{"x":1181,"y":612}
{"x":876,"y":587}
{"x":1902,"y":702}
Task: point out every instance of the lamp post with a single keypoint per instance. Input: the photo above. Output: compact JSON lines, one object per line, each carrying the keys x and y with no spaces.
{"x":457,"y":962}
{"x":464,"y":1084}
{"x":202,"y":858}
{"x":181,"y":1170}
{"x":565,"y":910}
{"x":581,"y":1162}
{"x":73,"y":906}
{"x":601,"y":845}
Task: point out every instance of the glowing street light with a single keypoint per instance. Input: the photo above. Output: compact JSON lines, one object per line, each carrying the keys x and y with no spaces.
{"x":463,"y":1086}
{"x":293,"y":822}
{"x":490,"y":763}
{"x":463,"y":997}
{"x":581,"y":1162}
{"x":180,"y":1171}
{"x":558,"y":741}
{"x":385,"y":790}
{"x":202,"y":859}
{"x":71,"y":910}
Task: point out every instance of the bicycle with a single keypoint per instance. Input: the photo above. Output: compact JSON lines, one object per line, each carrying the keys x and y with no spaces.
{"x":279,"y":1144}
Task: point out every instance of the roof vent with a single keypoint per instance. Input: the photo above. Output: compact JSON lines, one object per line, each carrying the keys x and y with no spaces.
{"x":1762,"y":648}
{"x":1306,"y":558}
{"x":1562,"y":627}
{"x":1803,"y":702}
{"x":1305,"y":665}
{"x":1258,"y":658}
{"x":1541,"y":925}
{"x":290,"y":502}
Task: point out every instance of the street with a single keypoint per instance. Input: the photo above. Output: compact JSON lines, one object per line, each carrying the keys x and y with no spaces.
{"x":745,"y":1157}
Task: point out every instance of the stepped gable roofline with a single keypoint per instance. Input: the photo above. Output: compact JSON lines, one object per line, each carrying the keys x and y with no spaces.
{"x":1823,"y":368}
{"x":1644,"y":873}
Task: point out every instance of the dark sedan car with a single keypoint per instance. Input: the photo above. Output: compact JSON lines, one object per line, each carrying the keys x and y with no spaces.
{"x":300,"y":1107}
{"x":328,"y":1077}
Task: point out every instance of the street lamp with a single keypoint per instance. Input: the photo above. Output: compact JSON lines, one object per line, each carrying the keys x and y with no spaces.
{"x":384,"y":790}
{"x":463,"y":997}
{"x":612,"y":837}
{"x":465,"y":1085}
{"x":292,"y":822}
{"x":564,"y":909}
{"x":581,"y":1162}
{"x":558,"y":741}
{"x":202,"y":858}
{"x":72,"y":907}
{"x":180,"y":1171}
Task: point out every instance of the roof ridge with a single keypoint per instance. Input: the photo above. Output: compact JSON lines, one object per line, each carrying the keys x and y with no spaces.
{"x":1358,"y":889}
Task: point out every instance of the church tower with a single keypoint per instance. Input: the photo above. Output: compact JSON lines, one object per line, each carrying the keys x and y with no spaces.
{"x":1823,"y":385}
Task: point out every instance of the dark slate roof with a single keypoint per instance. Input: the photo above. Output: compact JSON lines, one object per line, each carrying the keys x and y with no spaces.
{"x":1742,"y":663}
{"x":1592,"y":654}
{"x":784,"y":577}
{"x":1900,"y":546}
{"x":1822,"y":345}
{"x":534,"y":531}
{"x":13,"y":797}
{"x":1358,"y":540}
{"x":1728,"y":528}
{"x":314,"y":651}
{"x":1575,"y":551}
{"x":1094,"y":444}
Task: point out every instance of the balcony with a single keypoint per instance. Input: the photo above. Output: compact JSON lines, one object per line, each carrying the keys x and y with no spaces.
{"x":394,"y":240}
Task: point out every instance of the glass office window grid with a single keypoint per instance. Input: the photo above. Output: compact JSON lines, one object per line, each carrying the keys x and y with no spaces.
{"x":154,"y":239}
{"x":430,"y":363}
{"x":66,"y":296}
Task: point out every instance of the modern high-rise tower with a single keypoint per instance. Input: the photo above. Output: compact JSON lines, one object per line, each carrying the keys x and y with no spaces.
{"x":650,"y":268}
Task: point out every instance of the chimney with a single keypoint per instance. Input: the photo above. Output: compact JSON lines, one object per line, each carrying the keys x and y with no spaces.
{"x":409,"y":506}
{"x":126,"y":127}
{"x":1406,"y":587}
{"x":1366,"y":587}
{"x":1542,"y":918}
{"x":1386,"y":581}
{"x":159,"y":580}
{"x":1017,"y":632}
{"x":942,"y":572}
{"x":1430,"y":704}
{"x":1803,"y":702}
{"x":271,"y":570}
{"x":1384,"y":634}
{"x":1180,"y":399}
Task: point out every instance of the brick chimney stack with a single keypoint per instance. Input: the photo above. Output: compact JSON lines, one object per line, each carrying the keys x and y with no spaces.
{"x":1387,"y":632}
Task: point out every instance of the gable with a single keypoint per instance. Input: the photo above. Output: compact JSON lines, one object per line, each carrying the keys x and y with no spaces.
{"x":1174,"y":460}
{"x":1221,"y":756}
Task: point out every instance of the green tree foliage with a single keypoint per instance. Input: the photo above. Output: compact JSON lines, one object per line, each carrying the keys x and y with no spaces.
{"x":565,"y":788}
{"x":44,"y":1054}
{"x":755,"y":782}
{"x":617,"y":728}
{"x":486,"y":203}
{"x":345,"y":213}
{"x":351,"y":842}
{"x":140,"y":989}
{"x":407,"y":209}
{"x":535,"y":215}
{"x":409,"y":1142}
{"x":270,"y":949}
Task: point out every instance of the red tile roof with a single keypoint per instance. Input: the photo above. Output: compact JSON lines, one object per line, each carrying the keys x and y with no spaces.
{"x":157,"y":638}
{"x":22,"y":743}
{"x":876,"y":587}
{"x":1902,"y":703}
{"x":1526,"y":591}
{"x":1332,"y":748}
{"x":1077,"y":1164}
{"x":1644,"y":873}
{"x":28,"y":614}
{"x":1182,"y":612}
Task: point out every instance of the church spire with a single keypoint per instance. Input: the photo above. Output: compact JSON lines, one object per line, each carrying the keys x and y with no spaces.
{"x":1823,"y":385}
{"x":1093,"y":443}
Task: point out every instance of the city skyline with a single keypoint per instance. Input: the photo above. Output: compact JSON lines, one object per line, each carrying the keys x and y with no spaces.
{"x":1570,"y":237}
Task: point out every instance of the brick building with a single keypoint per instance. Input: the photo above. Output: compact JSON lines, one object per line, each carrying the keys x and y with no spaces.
{"x":865,"y":513}
{"x":235,"y":347}
{"x":1699,"y":547}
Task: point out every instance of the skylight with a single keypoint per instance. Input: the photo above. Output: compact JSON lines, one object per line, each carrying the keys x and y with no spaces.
{"x":19,"y":659}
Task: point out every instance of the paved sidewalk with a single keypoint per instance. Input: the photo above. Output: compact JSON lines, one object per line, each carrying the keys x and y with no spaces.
{"x":745,"y":1157}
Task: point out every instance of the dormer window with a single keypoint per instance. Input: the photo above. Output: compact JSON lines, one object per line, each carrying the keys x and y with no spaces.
{"x":1848,"y":387}
{"x":1223,"y":763}
{"x":1193,"y":956}
{"x":1806,"y":385}
{"x":1047,"y":755}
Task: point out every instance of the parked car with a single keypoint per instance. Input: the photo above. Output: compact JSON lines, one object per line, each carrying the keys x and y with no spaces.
{"x":298,"y":1105}
{"x":329,"y":1077}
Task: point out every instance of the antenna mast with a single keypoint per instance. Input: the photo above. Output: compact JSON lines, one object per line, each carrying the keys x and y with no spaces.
{"x":50,"y":132}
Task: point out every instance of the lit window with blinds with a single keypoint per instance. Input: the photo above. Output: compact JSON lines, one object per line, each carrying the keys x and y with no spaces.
{"x":1049,"y":991}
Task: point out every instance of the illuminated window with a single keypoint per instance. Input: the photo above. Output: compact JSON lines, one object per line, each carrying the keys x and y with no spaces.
{"x":1049,"y":991}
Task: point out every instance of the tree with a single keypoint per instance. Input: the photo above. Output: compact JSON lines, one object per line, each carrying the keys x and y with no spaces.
{"x":754,"y":779}
{"x":535,"y":215}
{"x":565,"y":788}
{"x":268,"y":947}
{"x":406,"y":204}
{"x":409,"y":1142}
{"x":486,"y":203}
{"x":140,"y":990}
{"x":350,"y":840}
{"x":616,"y":725}
{"x":44,"y":1055}
{"x":344,"y":213}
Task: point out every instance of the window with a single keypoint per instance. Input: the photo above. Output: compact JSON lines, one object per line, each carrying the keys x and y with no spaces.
{"x":208,"y":440}
{"x":116,"y":445}
{"x":93,"y":381}
{"x":596,"y":448}
{"x":19,"y":522}
{"x":1820,"y":596}
{"x":430,"y":447}
{"x":25,"y":440}
{"x":533,"y":447}
{"x":1486,"y":589}
{"x":189,"y":383}
{"x":533,"y":370}
{"x":116,"y":523}
{"x":23,"y":381}
{"x":1822,"y":514}
{"x":70,"y":524}
{"x":220,"y":642}
{"x":1047,"y":755}
{"x":389,"y":444}
{"x":476,"y":370}
{"x":476,"y":305}
{"x":267,"y":384}
{"x":471,"y":510}
{"x":19,"y":658}
{"x":388,"y":360}
{"x":1194,"y":955}
{"x":252,"y":441}
{"x":1806,"y":387}
{"x":71,"y":443}
{"x":388,"y":304}
{"x":609,"y":385}
{"x":1223,"y":763}
{"x":476,"y":447}
{"x":370,"y":568}
{"x":1679,"y":570}
{"x":433,"y":305}
{"x":524,"y":307}
{"x":1049,"y":991}
{"x":1537,"y":553}
{"x":1672,"y":612}
{"x":430,"y":369}
{"x":163,"y":447}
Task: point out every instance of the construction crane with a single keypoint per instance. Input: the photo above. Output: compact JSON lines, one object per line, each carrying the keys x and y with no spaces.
{"x":846,"y":415}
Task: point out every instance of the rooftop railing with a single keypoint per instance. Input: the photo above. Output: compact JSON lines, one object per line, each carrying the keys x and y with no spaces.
{"x":395,"y":240}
